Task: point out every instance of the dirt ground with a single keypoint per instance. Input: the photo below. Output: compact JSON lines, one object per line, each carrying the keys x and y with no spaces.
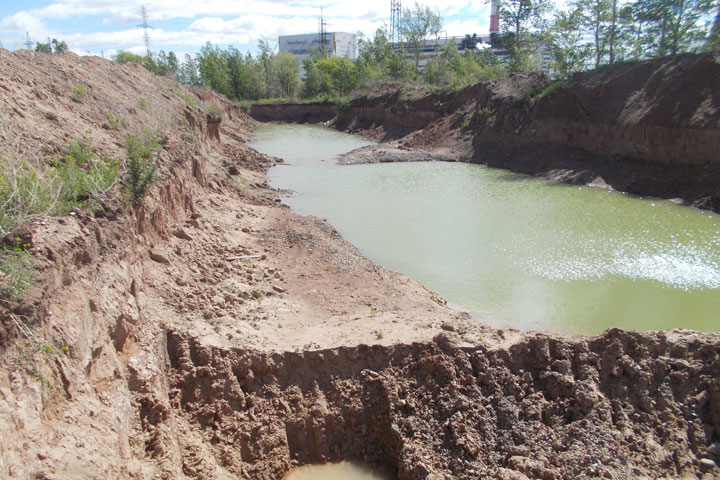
{"x":213,"y":333}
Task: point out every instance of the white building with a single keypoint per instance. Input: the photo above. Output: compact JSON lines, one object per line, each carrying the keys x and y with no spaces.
{"x":337,"y":44}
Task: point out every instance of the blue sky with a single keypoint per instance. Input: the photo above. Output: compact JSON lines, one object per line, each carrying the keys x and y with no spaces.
{"x":95,"y":26}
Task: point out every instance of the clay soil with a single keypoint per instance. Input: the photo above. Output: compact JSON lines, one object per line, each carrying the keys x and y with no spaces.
{"x":213,"y":333}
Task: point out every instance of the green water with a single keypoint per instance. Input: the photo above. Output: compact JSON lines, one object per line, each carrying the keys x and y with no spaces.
{"x":513,"y":250}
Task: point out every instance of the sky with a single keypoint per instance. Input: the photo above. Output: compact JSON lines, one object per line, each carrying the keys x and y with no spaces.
{"x":103,"y":27}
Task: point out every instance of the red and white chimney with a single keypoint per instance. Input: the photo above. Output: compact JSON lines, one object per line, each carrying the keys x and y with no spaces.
{"x":494,"y":18}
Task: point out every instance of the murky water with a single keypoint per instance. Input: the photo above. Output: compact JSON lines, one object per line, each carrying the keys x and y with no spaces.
{"x":513,"y":250}
{"x":336,"y":471}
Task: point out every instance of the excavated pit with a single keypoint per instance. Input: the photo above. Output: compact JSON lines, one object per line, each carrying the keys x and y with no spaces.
{"x":611,"y":406}
{"x":213,"y":334}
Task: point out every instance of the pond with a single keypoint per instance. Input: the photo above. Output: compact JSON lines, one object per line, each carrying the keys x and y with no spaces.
{"x":513,"y":250}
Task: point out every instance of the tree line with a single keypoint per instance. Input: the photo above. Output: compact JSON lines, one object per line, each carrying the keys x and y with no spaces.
{"x":589,"y":33}
{"x":534,"y":35}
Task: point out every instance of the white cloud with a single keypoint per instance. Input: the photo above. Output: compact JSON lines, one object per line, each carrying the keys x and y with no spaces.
{"x":91,"y":24}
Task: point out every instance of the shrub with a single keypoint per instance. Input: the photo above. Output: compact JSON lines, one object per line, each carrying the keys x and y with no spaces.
{"x":80,"y":151}
{"x":17,"y":272}
{"x":116,"y":122}
{"x":78,"y":184}
{"x":29,"y":188}
{"x":143,"y":103}
{"x":550,"y":89}
{"x":140,"y":168}
{"x":78,"y":92}
{"x":188,"y":99}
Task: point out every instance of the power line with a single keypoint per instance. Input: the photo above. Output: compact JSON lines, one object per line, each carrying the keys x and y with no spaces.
{"x":145,"y":26}
{"x":323,"y":34}
{"x":395,"y":10}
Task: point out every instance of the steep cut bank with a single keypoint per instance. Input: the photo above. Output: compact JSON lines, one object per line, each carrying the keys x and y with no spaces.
{"x":211,"y":333}
{"x":650,"y":128}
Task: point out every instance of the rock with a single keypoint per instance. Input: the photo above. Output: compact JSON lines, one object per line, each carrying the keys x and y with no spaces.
{"x":714,"y":449}
{"x":159,"y":256}
{"x":195,"y":216}
{"x":448,"y":326}
{"x":707,"y":464}
{"x":182,"y":234}
{"x":278,"y":289}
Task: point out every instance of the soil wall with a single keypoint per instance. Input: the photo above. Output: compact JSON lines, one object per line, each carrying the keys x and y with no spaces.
{"x":650,"y":128}
{"x":294,"y":112}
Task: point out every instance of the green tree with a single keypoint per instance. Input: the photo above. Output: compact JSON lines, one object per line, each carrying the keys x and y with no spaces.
{"x":313,"y":83}
{"x":188,"y":73}
{"x":59,"y":46}
{"x":713,"y":41}
{"x":266,"y":65}
{"x":417,"y":25}
{"x":52,"y":46}
{"x":378,"y":59}
{"x":593,"y":19}
{"x":213,"y":68}
{"x":285,"y":67}
{"x":669,"y":27}
{"x":565,"y":39}
{"x":43,"y":47}
{"x":522,"y":25}
{"x":342,"y":74}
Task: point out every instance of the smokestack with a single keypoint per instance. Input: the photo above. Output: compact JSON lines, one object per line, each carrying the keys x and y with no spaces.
{"x":494,"y":18}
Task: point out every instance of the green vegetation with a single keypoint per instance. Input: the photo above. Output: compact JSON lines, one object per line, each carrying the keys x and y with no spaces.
{"x":80,"y":151}
{"x":115,"y":122}
{"x":550,"y":89}
{"x":16,"y":271}
{"x":416,"y":26}
{"x":52,"y":47}
{"x":141,"y":169}
{"x":577,"y":36}
{"x":143,"y":104}
{"x":188,"y":99}
{"x":487,"y":115}
{"x":78,"y":92}
{"x":30,"y":188}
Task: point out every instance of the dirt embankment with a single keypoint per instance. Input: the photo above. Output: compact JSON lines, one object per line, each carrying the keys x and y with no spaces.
{"x":650,"y":128}
{"x":294,"y":112}
{"x":211,"y":333}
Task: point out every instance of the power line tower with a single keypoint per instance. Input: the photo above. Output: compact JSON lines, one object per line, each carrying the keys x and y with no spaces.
{"x":323,"y":34}
{"x":395,"y":11}
{"x":146,"y":27}
{"x":28,"y":43}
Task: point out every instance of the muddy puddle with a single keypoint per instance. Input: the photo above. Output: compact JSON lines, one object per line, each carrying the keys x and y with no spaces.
{"x":515,"y":251}
{"x":337,"y":471}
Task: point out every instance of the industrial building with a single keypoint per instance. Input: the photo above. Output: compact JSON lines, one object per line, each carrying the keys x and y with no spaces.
{"x":336,"y":44}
